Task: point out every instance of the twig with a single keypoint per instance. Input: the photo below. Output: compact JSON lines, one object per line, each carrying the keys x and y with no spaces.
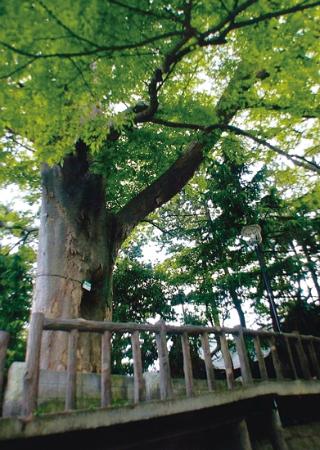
{"x":151,"y":222}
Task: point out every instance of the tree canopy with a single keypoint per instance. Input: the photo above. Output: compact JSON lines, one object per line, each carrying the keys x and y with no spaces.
{"x":121,"y":102}
{"x":154,"y":73}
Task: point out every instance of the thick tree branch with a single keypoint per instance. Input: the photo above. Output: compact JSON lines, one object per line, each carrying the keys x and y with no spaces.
{"x":218,"y":33}
{"x":147,"y":112}
{"x":229,"y":19}
{"x":181,"y":171}
{"x":295,"y":159}
{"x":273,"y":14}
{"x":163,"y":188}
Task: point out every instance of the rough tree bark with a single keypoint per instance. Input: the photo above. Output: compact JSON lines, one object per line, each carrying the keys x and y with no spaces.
{"x":78,"y":241}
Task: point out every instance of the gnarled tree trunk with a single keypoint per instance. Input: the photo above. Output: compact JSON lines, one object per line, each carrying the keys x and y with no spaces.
{"x":77,"y":243}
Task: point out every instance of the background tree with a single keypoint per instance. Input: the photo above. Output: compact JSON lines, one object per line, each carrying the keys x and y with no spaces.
{"x":140,"y":294}
{"x":210,"y":259}
{"x":16,"y":261}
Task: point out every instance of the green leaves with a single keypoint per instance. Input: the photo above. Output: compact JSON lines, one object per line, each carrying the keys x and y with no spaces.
{"x":140,"y":293}
{"x":211,"y":261}
{"x":15,"y":301}
{"x":67,"y":70}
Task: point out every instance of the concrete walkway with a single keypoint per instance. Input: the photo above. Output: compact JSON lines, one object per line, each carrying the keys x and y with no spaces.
{"x":52,"y":424}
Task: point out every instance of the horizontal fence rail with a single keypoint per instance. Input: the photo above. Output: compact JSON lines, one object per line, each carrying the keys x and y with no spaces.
{"x":290,"y":356}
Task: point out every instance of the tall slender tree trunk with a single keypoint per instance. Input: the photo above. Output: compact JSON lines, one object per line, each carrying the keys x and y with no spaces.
{"x":77,"y":243}
{"x":237,"y":303}
{"x":238,"y":307}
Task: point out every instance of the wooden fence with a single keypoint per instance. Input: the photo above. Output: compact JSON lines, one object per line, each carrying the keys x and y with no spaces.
{"x":293,"y":356}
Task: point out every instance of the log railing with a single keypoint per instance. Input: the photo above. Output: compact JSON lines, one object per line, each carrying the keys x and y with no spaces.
{"x":293,"y":356}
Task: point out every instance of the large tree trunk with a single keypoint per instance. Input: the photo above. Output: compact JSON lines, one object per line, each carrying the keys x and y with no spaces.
{"x":77,"y":243}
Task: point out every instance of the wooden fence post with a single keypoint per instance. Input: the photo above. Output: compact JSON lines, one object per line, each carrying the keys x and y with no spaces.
{"x":32,"y":371}
{"x":139,"y":391}
{"x":166,"y":390}
{"x":227,"y":360}
{"x":291,"y":360}
{"x":243,"y":357}
{"x":208,"y":361}
{"x":71,"y":387}
{"x":260,"y":358}
{"x":275,"y":358}
{"x":187,"y":365}
{"x":303,"y":360}
{"x":4,"y":340}
{"x":106,"y":391}
{"x":314,"y":359}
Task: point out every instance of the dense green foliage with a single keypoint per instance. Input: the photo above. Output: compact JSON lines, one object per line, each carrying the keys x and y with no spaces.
{"x":15,"y":301}
{"x":66,"y":69}
{"x":209,"y":256}
{"x":16,"y":262}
